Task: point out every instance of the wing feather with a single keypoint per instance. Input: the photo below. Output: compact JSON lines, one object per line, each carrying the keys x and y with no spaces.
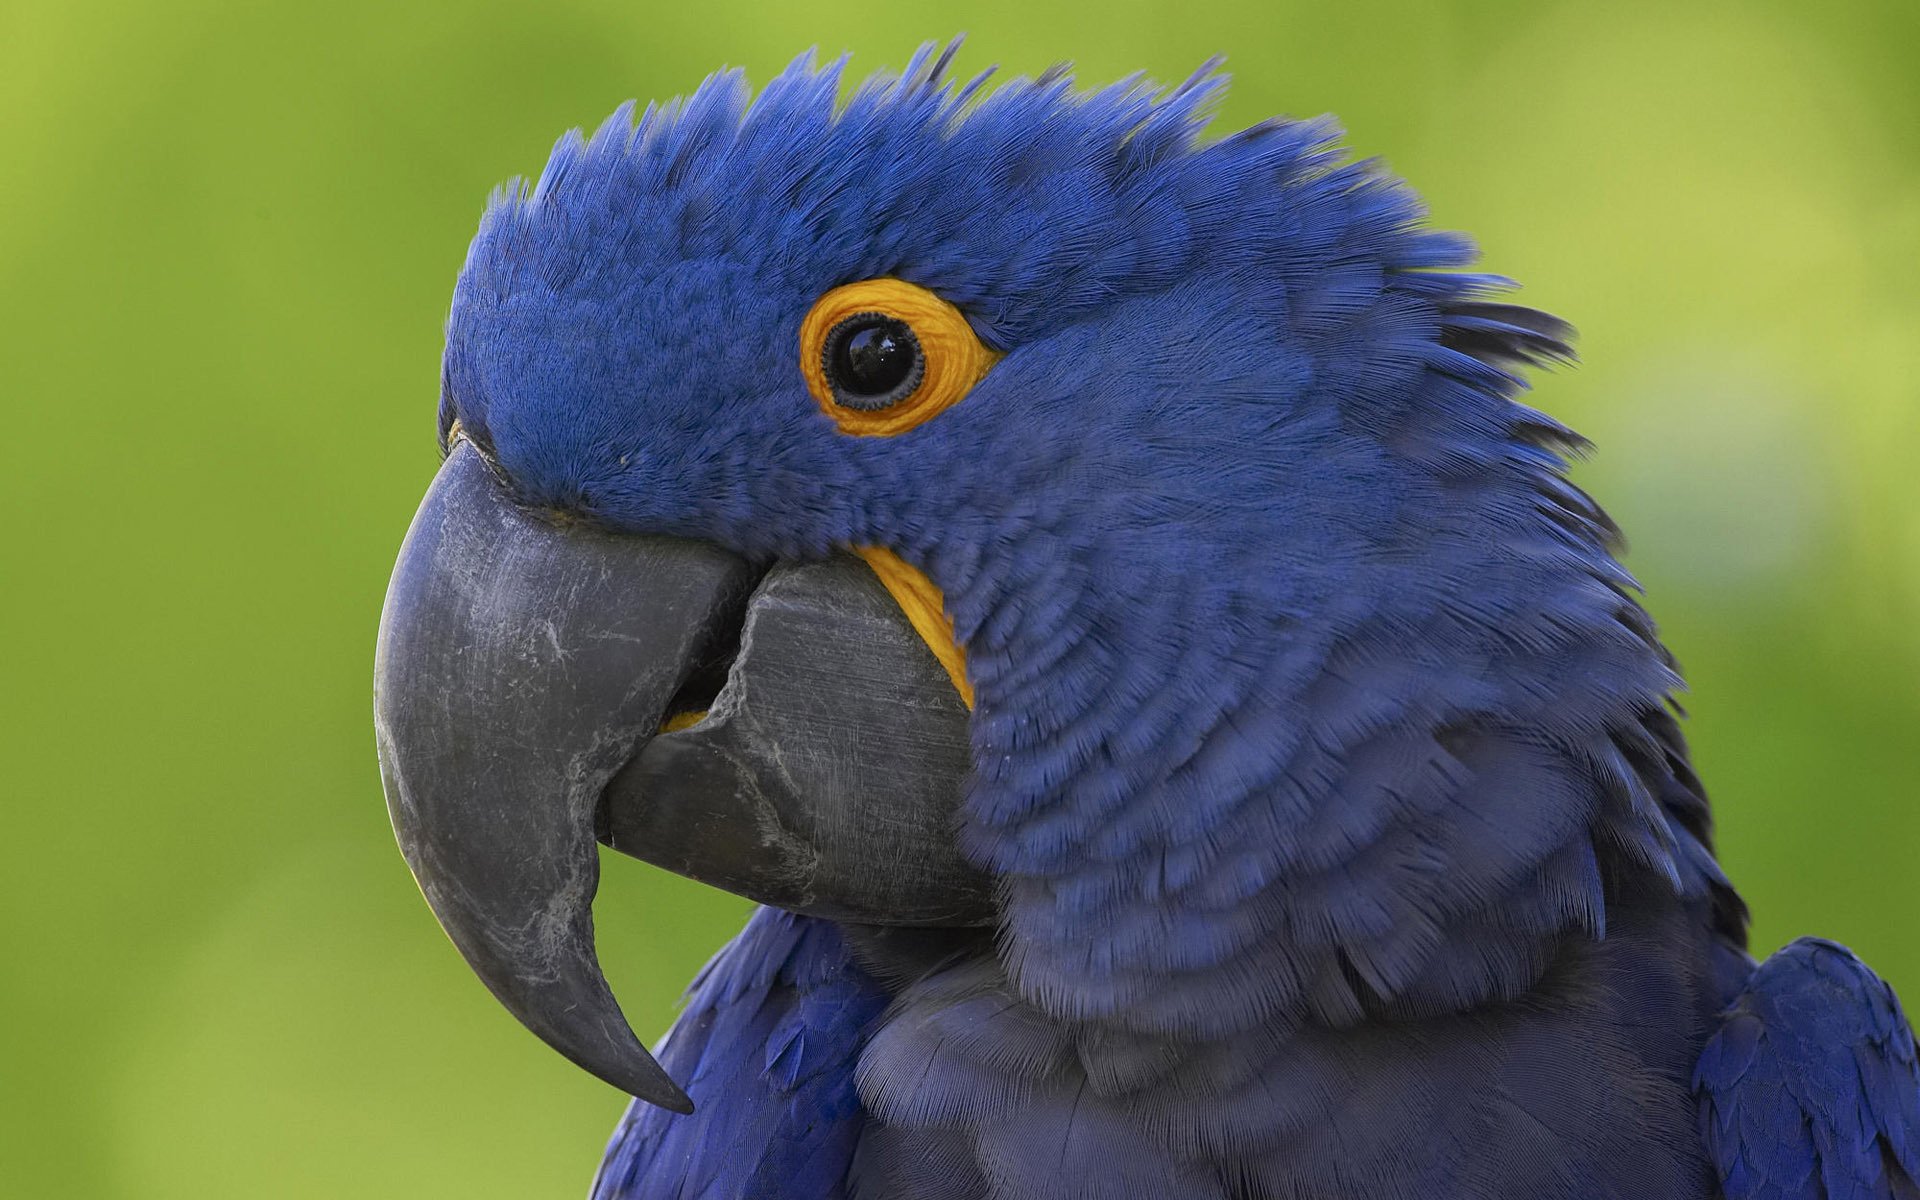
{"x":1810,"y":1089}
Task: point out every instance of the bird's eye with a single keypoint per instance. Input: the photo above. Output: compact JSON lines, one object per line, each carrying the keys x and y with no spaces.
{"x":872,"y":362}
{"x":883,"y":355}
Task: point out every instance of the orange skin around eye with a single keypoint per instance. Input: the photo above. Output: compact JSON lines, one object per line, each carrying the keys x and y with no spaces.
{"x":955,"y":359}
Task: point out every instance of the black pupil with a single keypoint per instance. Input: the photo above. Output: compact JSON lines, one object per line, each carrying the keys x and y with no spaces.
{"x":875,"y":356}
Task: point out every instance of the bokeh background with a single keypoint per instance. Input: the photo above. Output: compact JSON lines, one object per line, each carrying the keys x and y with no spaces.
{"x":228,"y":232}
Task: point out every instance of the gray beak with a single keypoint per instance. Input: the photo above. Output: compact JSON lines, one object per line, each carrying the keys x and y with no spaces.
{"x":523,"y":674}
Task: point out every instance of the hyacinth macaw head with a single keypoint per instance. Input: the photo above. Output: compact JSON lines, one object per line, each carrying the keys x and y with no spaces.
{"x":1208,"y":450}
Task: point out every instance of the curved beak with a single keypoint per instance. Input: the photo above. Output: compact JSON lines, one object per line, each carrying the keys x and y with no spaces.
{"x":523,"y":674}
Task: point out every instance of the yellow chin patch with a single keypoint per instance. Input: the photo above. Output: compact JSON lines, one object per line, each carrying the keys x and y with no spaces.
{"x":926,"y":611}
{"x":685,"y":720}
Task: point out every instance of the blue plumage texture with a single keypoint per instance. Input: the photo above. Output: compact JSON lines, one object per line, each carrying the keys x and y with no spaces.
{"x":1807,"y":1089}
{"x":1346,"y":838}
{"x":766,"y":1049}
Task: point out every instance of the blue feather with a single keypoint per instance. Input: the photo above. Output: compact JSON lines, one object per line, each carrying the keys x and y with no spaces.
{"x":1810,"y":1089}
{"x":766,"y":1049}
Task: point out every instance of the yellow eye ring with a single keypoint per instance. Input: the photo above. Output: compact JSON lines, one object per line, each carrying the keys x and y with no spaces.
{"x":882,"y":356}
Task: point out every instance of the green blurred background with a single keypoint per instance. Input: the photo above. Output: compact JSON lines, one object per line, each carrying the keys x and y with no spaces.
{"x":228,"y":232}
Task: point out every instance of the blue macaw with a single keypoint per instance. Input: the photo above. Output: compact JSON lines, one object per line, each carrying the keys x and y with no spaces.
{"x":1099,"y":589}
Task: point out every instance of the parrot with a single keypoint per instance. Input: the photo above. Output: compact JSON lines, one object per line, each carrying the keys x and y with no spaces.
{"x":1097,"y":586}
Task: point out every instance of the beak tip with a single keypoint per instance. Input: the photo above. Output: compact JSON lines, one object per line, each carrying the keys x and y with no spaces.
{"x":677,"y":1101}
{"x":646,"y":1080}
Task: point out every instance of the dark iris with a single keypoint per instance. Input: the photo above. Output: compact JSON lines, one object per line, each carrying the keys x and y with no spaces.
{"x":873,"y":361}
